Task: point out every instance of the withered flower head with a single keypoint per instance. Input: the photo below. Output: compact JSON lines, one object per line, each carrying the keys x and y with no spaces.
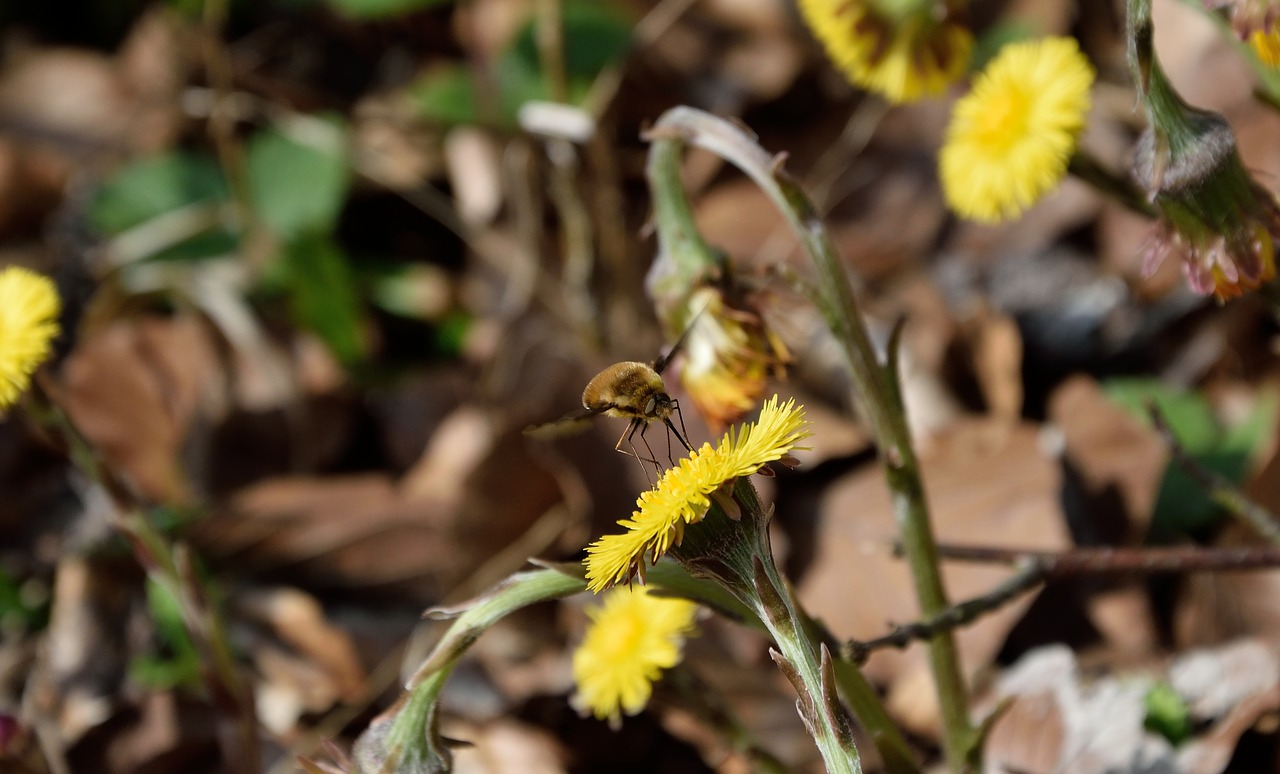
{"x":1214,"y":216}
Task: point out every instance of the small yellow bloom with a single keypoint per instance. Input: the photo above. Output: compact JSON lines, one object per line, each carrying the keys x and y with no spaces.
{"x":633,"y":636}
{"x":29,"y":309}
{"x":682,"y":495}
{"x":1011,"y":137}
{"x":902,"y":50}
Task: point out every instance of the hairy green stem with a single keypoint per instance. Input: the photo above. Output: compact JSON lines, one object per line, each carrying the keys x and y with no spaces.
{"x":875,"y":392}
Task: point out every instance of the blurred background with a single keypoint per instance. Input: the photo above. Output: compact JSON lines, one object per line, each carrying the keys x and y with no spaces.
{"x":322,"y":261}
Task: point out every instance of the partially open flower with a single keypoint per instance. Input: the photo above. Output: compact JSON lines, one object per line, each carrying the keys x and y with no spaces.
{"x":29,"y":307}
{"x":633,"y":637}
{"x":728,"y":358}
{"x":903,"y":50}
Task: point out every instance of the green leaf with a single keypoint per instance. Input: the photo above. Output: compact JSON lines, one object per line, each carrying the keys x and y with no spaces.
{"x":299,"y":184}
{"x":154,"y":186}
{"x":594,"y":37}
{"x":381,"y":9}
{"x":322,"y":293}
{"x":1182,"y":505}
{"x":187,"y":189}
{"x":180,"y":665}
{"x":445,"y":95}
{"x":1167,"y":714}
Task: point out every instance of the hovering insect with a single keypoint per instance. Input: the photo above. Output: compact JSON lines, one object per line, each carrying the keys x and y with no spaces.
{"x":631,"y":390}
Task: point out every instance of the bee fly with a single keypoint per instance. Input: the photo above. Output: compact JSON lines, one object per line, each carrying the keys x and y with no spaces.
{"x":631,"y":390}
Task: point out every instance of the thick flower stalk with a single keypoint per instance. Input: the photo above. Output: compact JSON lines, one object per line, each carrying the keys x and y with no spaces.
{"x":1213,"y":216}
{"x":1012,"y":136}
{"x":29,"y":308}
{"x":633,"y":637}
{"x":684,"y":493}
{"x":903,"y":50}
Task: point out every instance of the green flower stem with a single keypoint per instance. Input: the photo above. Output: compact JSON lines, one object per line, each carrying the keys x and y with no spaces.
{"x":874,"y":385}
{"x":1166,"y":112}
{"x":678,"y":235}
{"x":804,"y":658}
{"x":406,"y":737}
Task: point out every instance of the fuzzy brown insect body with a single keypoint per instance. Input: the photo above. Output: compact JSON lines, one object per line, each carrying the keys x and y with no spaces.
{"x":628,"y":389}
{"x":634,"y":391}
{"x":631,"y":390}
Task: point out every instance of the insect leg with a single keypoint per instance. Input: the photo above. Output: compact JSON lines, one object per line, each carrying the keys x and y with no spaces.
{"x":671,"y":426}
{"x":656,"y":465}
{"x":676,"y":404}
{"x":627,"y":435}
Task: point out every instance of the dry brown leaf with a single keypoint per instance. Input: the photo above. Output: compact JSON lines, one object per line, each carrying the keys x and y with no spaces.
{"x":1115,"y":456}
{"x":1090,"y":728}
{"x":986,"y":485}
{"x":506,"y":747}
{"x":299,"y":620}
{"x":162,"y":733}
{"x":135,"y":389}
{"x":457,"y":510}
{"x":1116,"y":465}
{"x":1216,"y":607}
{"x":997,"y":362}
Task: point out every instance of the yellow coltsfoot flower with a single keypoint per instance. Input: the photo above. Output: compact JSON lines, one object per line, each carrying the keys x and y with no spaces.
{"x":1011,"y":137}
{"x":683,"y":495}
{"x":29,"y":308}
{"x":632,"y":638}
{"x":903,"y":50}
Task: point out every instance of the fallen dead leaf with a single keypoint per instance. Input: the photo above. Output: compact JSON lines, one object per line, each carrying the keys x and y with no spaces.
{"x":135,"y":389}
{"x":986,"y":485}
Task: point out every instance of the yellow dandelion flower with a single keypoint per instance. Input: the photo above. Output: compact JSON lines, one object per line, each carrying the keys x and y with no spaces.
{"x":902,"y":50}
{"x":632,"y":638}
{"x":29,"y":309}
{"x":1011,"y":137}
{"x":683,"y":494}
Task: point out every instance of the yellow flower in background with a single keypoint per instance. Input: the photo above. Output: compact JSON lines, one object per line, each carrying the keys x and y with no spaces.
{"x":682,"y":495}
{"x":29,"y":309}
{"x":728,"y":358}
{"x":633,"y":636}
{"x":901,"y":49}
{"x":1011,"y":137}
{"x":1266,"y":44}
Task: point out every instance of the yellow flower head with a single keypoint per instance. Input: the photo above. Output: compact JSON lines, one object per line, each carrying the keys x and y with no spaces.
{"x":728,"y":358}
{"x":682,"y":495}
{"x":902,"y":50}
{"x":1011,"y":137}
{"x":633,"y":636}
{"x":29,"y":309}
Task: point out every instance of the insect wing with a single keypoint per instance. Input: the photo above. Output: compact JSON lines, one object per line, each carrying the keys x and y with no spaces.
{"x":570,"y":424}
